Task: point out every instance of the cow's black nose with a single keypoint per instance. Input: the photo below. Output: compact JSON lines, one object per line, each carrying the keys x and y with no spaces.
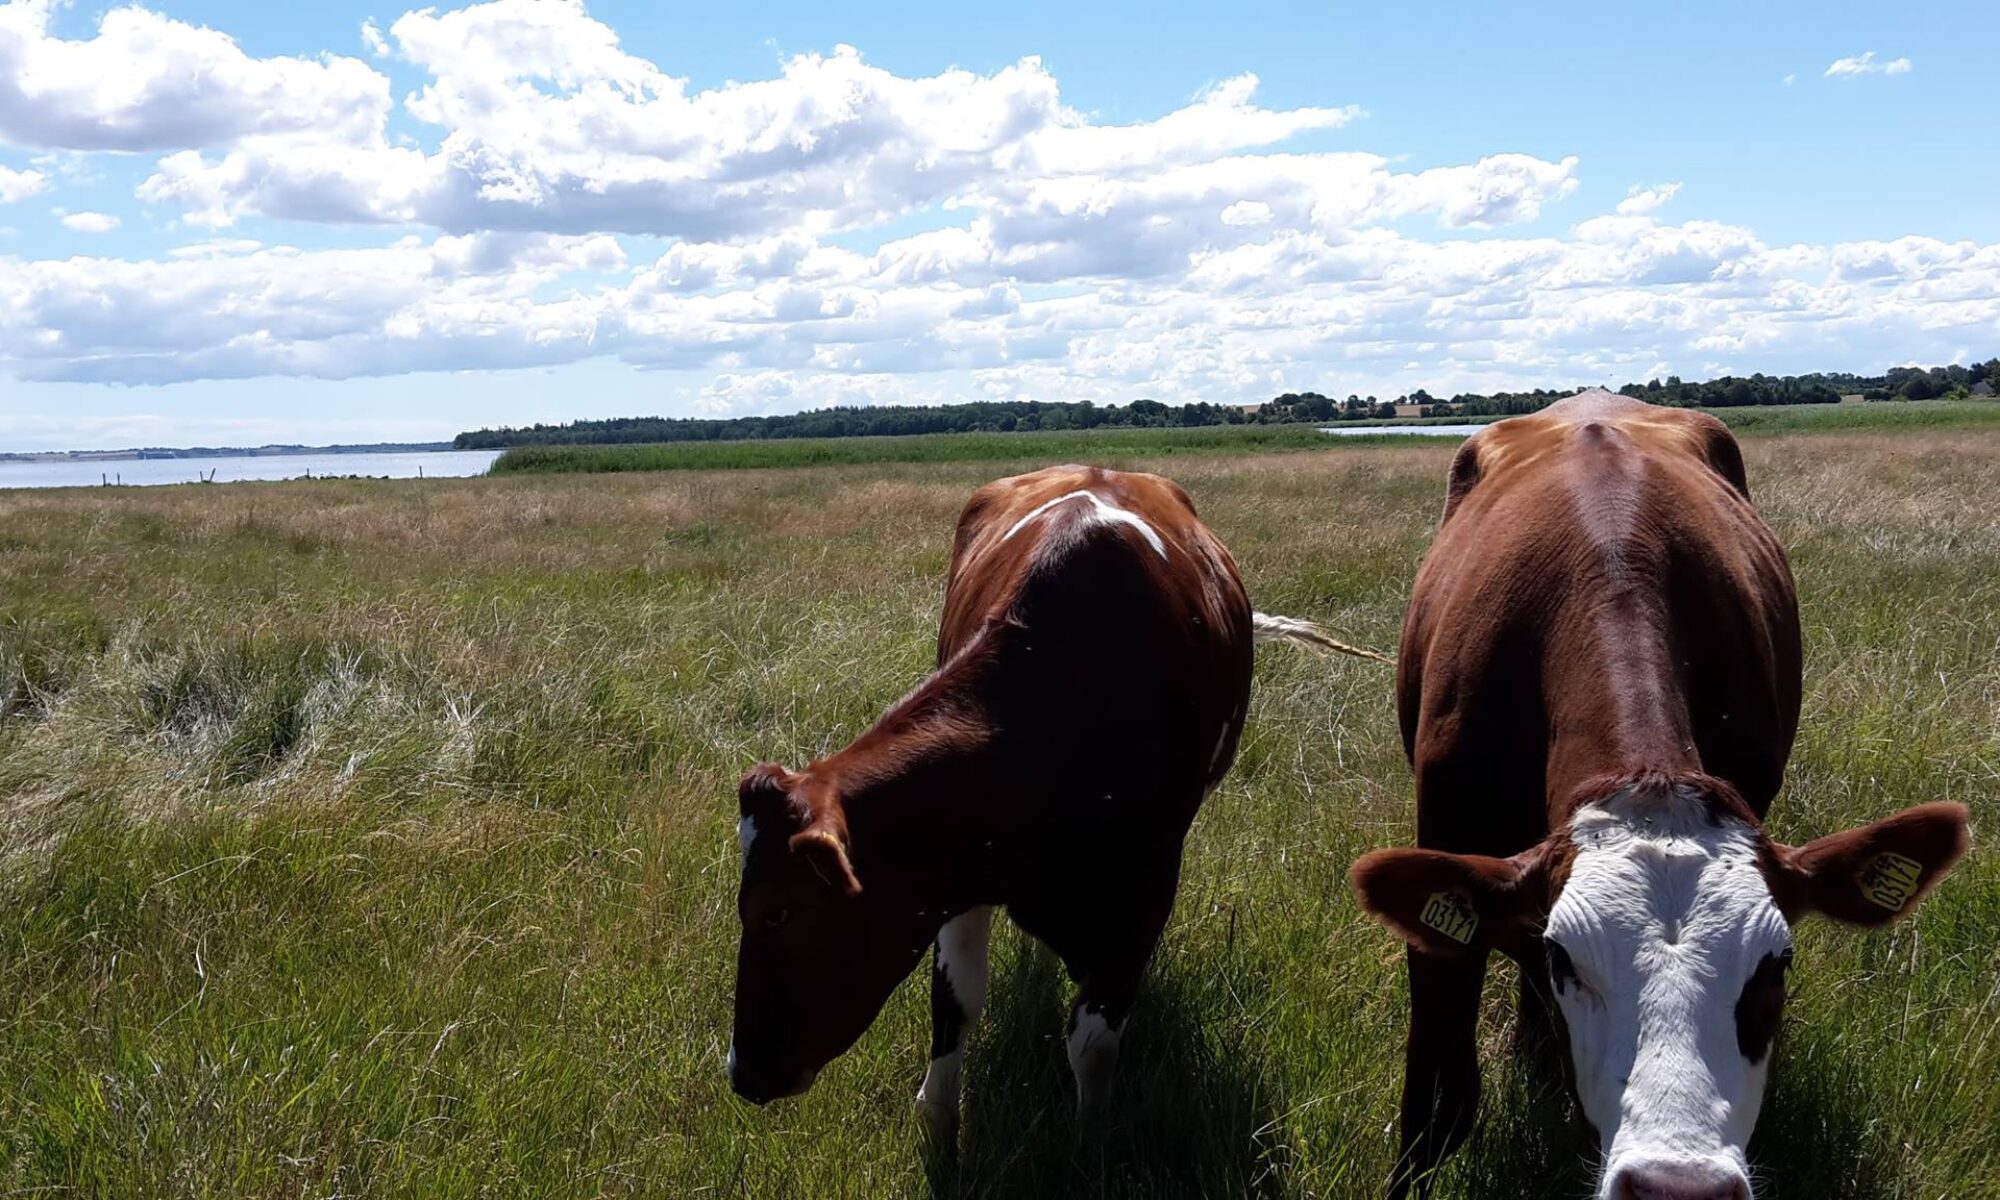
{"x":760,"y":1085}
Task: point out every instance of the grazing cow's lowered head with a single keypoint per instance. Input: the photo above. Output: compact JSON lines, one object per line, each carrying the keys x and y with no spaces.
{"x":1665,"y":914}
{"x":817,"y":957}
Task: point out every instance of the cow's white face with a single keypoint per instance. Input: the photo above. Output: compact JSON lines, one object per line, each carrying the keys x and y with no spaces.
{"x":1667,"y":954}
{"x":1667,"y":947}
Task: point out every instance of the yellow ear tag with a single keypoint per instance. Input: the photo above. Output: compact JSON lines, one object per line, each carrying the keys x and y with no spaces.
{"x":1452,"y":915}
{"x":1890,"y":880}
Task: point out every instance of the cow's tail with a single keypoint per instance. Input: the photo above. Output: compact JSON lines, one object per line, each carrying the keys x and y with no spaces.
{"x":1268,"y":628}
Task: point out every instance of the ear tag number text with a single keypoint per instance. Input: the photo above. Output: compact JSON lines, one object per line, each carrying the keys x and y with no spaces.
{"x":1889,"y":880}
{"x":1452,"y":915}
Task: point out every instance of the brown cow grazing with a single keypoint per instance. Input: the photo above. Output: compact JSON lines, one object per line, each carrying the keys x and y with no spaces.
{"x":1599,"y":685}
{"x":1093,"y":673}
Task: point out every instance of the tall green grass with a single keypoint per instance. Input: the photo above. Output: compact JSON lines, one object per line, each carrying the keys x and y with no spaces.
{"x":375,"y":839}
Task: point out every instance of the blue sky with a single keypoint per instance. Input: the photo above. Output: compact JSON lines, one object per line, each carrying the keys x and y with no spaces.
{"x":227,"y":223}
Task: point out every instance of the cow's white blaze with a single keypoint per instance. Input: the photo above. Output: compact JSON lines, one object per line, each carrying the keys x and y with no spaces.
{"x":1665,"y":917}
{"x":1105,"y":512}
{"x":746,"y":836}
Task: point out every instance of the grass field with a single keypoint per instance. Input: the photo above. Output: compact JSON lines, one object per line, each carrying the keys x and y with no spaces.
{"x":1041,"y":446}
{"x":376,"y":839}
{"x":1121,"y":446}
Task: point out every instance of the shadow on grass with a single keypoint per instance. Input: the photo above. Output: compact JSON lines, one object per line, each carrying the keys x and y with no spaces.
{"x":1530,"y":1140}
{"x":1819,"y":1137}
{"x":1190,"y":1115}
{"x":1195,"y":1116}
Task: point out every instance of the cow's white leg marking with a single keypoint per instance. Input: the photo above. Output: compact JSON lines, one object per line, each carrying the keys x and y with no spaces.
{"x":1093,"y":1054}
{"x":1105,"y":512}
{"x":958,"y":993}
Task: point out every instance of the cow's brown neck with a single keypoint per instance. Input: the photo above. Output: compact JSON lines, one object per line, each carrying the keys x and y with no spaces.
{"x":921,"y":795}
{"x":1613,"y":687}
{"x":1616,"y":712}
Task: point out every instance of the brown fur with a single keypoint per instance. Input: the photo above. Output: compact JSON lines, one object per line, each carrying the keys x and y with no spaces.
{"x":1088,"y":693}
{"x":1601,"y":613}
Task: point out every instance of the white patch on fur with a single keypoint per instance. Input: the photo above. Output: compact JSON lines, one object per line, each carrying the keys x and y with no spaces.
{"x":1105,"y":512}
{"x":746,"y":837}
{"x":962,"y":956}
{"x":937,"y":1096}
{"x":1093,"y":1053}
{"x":1665,"y":917}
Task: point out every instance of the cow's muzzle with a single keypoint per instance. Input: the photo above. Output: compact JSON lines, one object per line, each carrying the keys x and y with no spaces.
{"x":760,"y":1085}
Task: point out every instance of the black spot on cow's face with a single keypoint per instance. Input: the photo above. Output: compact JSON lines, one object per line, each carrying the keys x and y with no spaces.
{"x":1761,"y":1006}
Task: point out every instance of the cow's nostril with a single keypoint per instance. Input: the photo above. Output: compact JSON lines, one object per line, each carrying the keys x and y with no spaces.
{"x":1692,"y":1180}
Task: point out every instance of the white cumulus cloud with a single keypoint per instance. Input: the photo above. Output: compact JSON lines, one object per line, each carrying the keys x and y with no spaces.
{"x":19,"y":185}
{"x":837,"y":232}
{"x":1866,"y":64}
{"x":1645,"y":199}
{"x":545,"y":122}
{"x":90,"y":222}
{"x":147,"y":82}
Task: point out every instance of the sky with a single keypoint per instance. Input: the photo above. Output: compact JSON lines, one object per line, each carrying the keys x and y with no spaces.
{"x":225,"y":223}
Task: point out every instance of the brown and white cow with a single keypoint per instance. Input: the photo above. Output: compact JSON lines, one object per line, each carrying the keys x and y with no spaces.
{"x":1093,"y":671}
{"x":1599,"y":685}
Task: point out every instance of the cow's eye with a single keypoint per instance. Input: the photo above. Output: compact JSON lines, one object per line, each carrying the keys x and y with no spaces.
{"x":777,"y":918}
{"x":1562,"y":969}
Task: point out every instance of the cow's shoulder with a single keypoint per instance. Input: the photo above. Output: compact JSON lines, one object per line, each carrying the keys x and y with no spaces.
{"x":997,"y":507}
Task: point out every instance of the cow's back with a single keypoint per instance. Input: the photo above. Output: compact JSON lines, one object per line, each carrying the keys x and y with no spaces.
{"x":1112,"y":618}
{"x":1601,"y":596}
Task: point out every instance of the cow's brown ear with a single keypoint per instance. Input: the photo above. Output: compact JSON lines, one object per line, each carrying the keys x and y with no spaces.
{"x":1452,"y":904}
{"x":1464,"y":473}
{"x":825,"y":850}
{"x":1874,"y":874}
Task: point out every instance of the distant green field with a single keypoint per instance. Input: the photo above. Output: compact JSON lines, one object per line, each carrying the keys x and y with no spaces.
{"x":1101,"y":445}
{"x":1114,"y":447}
{"x":1887,"y":416}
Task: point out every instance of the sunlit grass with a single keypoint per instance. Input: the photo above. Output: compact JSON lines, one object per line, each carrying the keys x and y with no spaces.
{"x":372,"y":838}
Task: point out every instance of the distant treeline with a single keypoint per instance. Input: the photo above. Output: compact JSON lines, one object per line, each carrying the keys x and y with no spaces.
{"x":1010,"y":416}
{"x":999,"y":416}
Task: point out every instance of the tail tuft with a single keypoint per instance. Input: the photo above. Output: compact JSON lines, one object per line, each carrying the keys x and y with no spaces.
{"x":1268,"y":628}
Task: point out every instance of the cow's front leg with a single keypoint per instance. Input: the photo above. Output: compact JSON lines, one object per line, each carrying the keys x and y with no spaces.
{"x":1440,"y":1065}
{"x":1095,"y":1023}
{"x":958,"y":992}
{"x":1109,"y":972}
